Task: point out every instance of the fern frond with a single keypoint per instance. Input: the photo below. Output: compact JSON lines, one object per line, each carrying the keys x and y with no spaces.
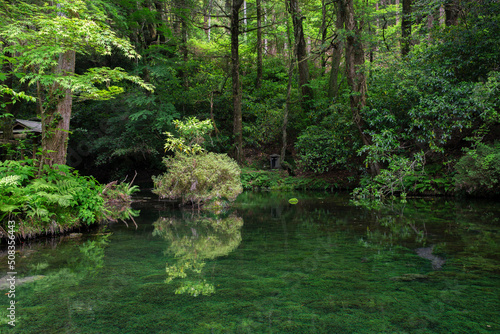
{"x":9,"y":181}
{"x":50,"y":198}
{"x":41,"y":185}
{"x":68,"y":186}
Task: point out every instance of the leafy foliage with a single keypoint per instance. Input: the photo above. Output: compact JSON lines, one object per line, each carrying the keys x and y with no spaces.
{"x":199,"y":178}
{"x":478,"y":171}
{"x":252,"y":179}
{"x":57,"y":201}
{"x":192,"y":136}
{"x":330,"y":144}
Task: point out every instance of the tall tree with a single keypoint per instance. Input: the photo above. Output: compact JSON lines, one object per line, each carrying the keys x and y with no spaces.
{"x":291,"y":66}
{"x":406,"y":28}
{"x":451,"y":9}
{"x":6,"y":85}
{"x":235,"y":73}
{"x":258,"y":81}
{"x":355,"y":59}
{"x":44,"y":40}
{"x":338,"y":47}
{"x":301,"y":48}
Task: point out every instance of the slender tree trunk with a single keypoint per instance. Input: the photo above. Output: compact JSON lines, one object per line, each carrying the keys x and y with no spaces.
{"x":442,"y":16}
{"x":285,"y":113}
{"x":207,"y":18}
{"x":258,"y":81}
{"x":301,"y":49}
{"x":338,"y":46}
{"x":55,"y":120}
{"x":265,"y":38}
{"x":245,"y":19}
{"x":406,"y":28}
{"x":181,"y":12}
{"x":397,"y":11}
{"x":235,"y":70}
{"x":355,"y":59}
{"x":287,"y":102}
{"x":451,"y":9}
{"x":323,"y":32}
{"x":8,"y":122}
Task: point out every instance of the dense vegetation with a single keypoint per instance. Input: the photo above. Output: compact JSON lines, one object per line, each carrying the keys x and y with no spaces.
{"x":399,"y":96}
{"x":57,"y":200}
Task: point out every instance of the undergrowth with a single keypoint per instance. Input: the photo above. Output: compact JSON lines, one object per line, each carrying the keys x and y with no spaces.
{"x":56,"y":200}
{"x":253,"y":179}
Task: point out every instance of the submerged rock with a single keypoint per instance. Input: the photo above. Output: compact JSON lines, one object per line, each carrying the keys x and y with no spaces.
{"x":5,"y":281}
{"x":409,"y":277}
{"x":426,"y":253}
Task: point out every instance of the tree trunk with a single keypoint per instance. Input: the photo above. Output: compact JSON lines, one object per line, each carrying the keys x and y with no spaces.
{"x":406,"y":28}
{"x":451,"y":9}
{"x":181,"y":12}
{"x":333,"y":86}
{"x":355,"y":59}
{"x":258,"y":81}
{"x":285,"y":113}
{"x":397,"y":11}
{"x":301,"y":49}
{"x":235,"y":71}
{"x":7,"y":122}
{"x":323,"y":31}
{"x":55,"y":120}
{"x":207,"y":16}
{"x":288,"y":95}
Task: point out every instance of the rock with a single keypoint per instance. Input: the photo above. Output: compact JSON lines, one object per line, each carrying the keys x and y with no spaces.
{"x":5,"y":284}
{"x":426,"y":253}
{"x":409,"y":277}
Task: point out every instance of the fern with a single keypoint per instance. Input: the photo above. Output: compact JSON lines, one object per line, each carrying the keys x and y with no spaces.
{"x":9,"y":181}
{"x":68,"y":186}
{"x":42,"y":185}
{"x":61,"y":200}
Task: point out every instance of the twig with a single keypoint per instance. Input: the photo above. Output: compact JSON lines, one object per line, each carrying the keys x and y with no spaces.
{"x":130,"y":184}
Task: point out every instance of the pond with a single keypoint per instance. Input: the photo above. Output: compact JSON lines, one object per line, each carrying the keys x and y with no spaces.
{"x":322,"y":265}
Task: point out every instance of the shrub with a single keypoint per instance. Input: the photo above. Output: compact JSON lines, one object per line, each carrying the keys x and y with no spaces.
{"x":478,"y":171}
{"x":332,"y":143}
{"x":199,"y":178}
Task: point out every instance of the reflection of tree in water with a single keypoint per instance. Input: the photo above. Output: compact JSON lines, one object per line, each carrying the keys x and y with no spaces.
{"x":193,"y":240}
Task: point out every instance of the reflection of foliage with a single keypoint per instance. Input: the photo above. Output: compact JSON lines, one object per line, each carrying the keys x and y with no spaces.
{"x":93,"y":254}
{"x":396,"y":222}
{"x":194,"y":240}
{"x":88,"y":259}
{"x":425,"y":226}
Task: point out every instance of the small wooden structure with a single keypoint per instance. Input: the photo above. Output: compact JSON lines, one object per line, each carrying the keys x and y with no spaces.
{"x":20,"y":130}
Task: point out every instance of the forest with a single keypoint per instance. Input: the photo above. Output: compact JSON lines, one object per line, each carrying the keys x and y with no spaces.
{"x":382,"y":97}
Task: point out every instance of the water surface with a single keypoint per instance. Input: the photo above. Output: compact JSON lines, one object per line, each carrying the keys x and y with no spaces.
{"x":267,"y":266}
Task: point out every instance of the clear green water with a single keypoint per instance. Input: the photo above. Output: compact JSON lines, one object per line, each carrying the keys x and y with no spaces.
{"x":321,"y":266}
